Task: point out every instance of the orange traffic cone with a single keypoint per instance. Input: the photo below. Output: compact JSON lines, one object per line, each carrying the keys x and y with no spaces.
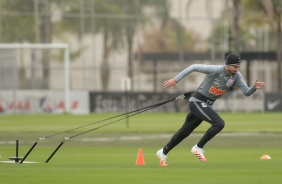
{"x":140,"y":158}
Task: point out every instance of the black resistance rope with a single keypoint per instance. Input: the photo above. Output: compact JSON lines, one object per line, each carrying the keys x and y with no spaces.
{"x":67,"y":138}
{"x":135,"y":112}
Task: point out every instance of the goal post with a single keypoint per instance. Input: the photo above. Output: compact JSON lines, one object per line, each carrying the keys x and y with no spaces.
{"x":63,"y":46}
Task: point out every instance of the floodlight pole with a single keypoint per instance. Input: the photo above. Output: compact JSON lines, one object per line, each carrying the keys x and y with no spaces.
{"x":49,"y":46}
{"x":67,"y":79}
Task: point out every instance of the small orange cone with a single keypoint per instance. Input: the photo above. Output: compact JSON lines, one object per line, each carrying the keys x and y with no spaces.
{"x":265,"y":157}
{"x":140,"y":158}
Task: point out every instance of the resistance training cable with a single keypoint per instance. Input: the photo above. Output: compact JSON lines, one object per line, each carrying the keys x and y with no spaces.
{"x":129,"y":114}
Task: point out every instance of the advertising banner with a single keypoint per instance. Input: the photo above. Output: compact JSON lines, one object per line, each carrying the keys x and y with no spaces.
{"x":42,"y":101}
{"x":124,"y":102}
{"x":273,"y":102}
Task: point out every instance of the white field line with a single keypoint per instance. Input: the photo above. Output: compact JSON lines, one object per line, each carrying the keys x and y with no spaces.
{"x":168,"y":136}
{"x":156,"y":136}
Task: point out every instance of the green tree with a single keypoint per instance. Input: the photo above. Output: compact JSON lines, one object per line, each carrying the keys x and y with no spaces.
{"x":109,"y":28}
{"x":272,"y":16}
{"x":18,"y":34}
{"x":166,"y":38}
{"x":19,"y":24}
{"x":136,"y":8}
{"x":236,"y":25}
{"x":219,"y":28}
{"x":117,"y":33}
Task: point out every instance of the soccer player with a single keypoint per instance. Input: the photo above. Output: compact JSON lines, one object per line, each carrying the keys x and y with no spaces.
{"x":219,"y":79}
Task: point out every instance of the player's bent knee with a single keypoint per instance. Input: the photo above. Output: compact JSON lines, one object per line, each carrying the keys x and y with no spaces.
{"x":220,"y":125}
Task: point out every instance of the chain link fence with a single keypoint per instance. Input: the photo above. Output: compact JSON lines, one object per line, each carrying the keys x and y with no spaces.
{"x":108,"y":40}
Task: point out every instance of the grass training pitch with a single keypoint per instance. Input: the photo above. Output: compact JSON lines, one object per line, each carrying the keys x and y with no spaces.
{"x":108,"y":155}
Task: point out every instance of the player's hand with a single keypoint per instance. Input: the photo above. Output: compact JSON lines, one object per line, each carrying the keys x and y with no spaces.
{"x":259,"y":85}
{"x":170,"y":82}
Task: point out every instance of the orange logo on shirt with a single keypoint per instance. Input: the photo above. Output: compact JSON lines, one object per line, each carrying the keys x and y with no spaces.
{"x":214,"y":90}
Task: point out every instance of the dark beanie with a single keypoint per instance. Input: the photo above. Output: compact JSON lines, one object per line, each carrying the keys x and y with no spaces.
{"x":232,"y":59}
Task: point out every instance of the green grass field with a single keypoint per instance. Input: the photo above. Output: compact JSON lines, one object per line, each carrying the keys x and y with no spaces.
{"x":108,"y":155}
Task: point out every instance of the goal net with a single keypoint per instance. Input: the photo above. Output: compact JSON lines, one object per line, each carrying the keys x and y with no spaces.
{"x":33,"y":69}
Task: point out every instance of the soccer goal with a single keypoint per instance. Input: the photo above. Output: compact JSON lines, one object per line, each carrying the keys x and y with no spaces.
{"x":7,"y":59}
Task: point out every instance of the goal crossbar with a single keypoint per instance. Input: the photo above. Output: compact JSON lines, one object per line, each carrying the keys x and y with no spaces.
{"x":49,"y":46}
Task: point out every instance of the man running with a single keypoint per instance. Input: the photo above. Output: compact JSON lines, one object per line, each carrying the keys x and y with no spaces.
{"x":219,"y":79}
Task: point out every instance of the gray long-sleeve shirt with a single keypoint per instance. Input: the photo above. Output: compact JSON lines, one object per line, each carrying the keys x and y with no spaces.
{"x":217,"y":82}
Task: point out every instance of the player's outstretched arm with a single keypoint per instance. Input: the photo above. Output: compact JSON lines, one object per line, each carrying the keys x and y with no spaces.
{"x":170,"y":82}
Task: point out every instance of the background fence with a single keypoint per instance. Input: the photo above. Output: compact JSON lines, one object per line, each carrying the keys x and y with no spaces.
{"x":147,"y":41}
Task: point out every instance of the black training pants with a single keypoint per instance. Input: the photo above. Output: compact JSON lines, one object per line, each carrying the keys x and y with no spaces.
{"x":199,"y":111}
